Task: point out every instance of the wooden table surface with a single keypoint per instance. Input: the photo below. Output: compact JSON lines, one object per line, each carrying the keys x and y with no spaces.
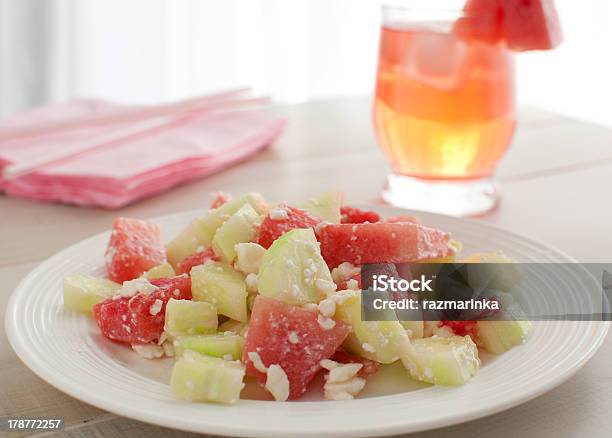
{"x":554,"y":183}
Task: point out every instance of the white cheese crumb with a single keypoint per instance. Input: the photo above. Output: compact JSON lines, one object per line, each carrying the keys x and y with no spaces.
{"x":156,"y":307}
{"x":326,"y":286}
{"x":343,"y":372}
{"x":251,"y":282}
{"x":327,"y":307}
{"x":248,"y":257}
{"x":148,"y":351}
{"x":138,"y":285}
{"x":344,"y":271}
{"x":293,"y":338}
{"x":257,"y":362}
{"x":277,"y":383}
{"x":326,"y":323}
{"x":278,"y":214}
{"x":352,"y":284}
{"x":328,"y":364}
{"x":367,"y":347}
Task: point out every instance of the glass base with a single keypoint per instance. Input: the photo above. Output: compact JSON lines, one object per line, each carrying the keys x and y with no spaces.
{"x":456,"y":198}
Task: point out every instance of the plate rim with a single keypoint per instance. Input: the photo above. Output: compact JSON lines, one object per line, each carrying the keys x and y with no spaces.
{"x":252,"y":430}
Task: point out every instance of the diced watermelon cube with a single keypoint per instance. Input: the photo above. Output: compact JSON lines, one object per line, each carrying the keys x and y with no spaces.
{"x":369,"y":366}
{"x":382,"y":243}
{"x":482,"y":20}
{"x":195,"y":259}
{"x":275,"y":225}
{"x":134,"y":247}
{"x":353,"y":215}
{"x":139,"y":319}
{"x":292,"y":338}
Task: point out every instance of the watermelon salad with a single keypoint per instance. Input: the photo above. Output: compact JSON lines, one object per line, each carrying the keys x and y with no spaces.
{"x":270,"y":293}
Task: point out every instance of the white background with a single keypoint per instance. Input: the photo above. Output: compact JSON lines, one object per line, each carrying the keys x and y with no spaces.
{"x":294,"y":50}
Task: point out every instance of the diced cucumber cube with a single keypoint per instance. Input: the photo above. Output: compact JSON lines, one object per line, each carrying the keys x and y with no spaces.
{"x":190,"y":317}
{"x":201,"y":231}
{"x":218,"y":283}
{"x":240,"y":228}
{"x":447,"y":361}
{"x":293,"y":271}
{"x":220,"y":345}
{"x":382,"y":341}
{"x":325,"y":207}
{"x":196,"y":377}
{"x":499,"y":336}
{"x":82,"y":292}
{"x":160,"y":271}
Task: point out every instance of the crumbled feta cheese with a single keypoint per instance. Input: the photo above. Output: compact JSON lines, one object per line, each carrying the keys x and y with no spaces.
{"x":277,"y":383}
{"x":367,"y":347}
{"x":328,"y":364}
{"x":344,"y":271}
{"x":251,"y":282}
{"x":278,"y":214}
{"x":352,"y":284}
{"x":257,"y":362}
{"x":325,"y":286}
{"x":343,"y":372}
{"x":156,"y":307}
{"x":138,"y":285}
{"x":342,"y":382}
{"x":293,"y":338}
{"x":248,"y":257}
{"x":148,"y":351}
{"x":326,"y":323}
{"x":327,"y":307}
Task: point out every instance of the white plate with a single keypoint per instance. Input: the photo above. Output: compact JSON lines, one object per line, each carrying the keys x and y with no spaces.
{"x":66,"y":350}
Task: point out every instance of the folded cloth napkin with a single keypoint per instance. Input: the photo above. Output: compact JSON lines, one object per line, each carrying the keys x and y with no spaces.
{"x":134,"y":166}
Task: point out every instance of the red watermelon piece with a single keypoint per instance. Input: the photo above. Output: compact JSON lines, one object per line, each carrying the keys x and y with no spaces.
{"x":523,"y":24}
{"x":134,"y":247}
{"x":273,"y":327}
{"x":273,"y":227}
{"x":369,"y":366}
{"x":353,"y":215}
{"x":195,"y":259}
{"x":382,"y":243}
{"x":139,"y":319}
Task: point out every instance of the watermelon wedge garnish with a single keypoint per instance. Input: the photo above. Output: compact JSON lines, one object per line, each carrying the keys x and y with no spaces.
{"x":523,"y":24}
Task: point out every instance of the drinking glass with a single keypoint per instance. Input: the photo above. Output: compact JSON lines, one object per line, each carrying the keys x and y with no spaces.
{"x":444,"y":111}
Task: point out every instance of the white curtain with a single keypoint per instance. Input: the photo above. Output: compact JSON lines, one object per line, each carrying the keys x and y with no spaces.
{"x":154,"y":50}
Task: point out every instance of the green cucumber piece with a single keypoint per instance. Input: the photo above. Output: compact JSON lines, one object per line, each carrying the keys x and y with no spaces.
{"x":382,"y":341}
{"x":160,"y":271}
{"x":200,"y":378}
{"x":325,"y":207}
{"x":218,"y":345}
{"x":201,"y":231}
{"x":240,"y":228}
{"x":501,"y":335}
{"x":446,"y":361}
{"x":218,"y":283}
{"x":190,"y":317}
{"x":292,"y":269}
{"x":82,"y":292}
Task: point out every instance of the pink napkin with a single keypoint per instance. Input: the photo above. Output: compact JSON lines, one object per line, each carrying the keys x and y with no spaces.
{"x":136,"y":166}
